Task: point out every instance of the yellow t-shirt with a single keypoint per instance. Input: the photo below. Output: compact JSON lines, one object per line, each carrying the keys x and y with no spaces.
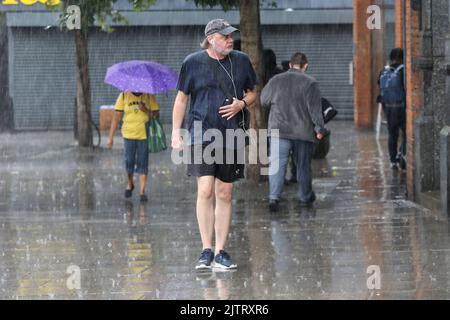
{"x":134,"y":120}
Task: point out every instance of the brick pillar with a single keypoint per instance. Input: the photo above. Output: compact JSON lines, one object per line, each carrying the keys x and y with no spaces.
{"x":414,"y":89}
{"x":399,"y":20}
{"x":369,"y":60}
{"x":363,"y":95}
{"x":378,"y":57}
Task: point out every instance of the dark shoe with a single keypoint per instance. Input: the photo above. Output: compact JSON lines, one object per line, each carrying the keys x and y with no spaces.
{"x":143,"y":198}
{"x":129,"y":192}
{"x":401,"y":160}
{"x":223,"y":261}
{"x":307,"y":204}
{"x":274,"y":205}
{"x":204,"y":262}
{"x":394,"y":166}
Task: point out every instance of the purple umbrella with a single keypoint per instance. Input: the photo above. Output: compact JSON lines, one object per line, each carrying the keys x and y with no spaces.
{"x":141,"y":76}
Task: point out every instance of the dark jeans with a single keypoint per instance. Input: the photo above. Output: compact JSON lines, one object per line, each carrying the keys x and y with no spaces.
{"x":396,"y":121}
{"x":302,"y":155}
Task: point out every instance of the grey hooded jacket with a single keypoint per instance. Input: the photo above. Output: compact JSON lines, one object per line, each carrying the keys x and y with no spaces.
{"x":294,"y":101}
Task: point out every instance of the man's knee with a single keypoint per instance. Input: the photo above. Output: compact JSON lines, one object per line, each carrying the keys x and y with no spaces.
{"x":224,"y":193}
{"x":224,"y":196}
{"x":205,"y":190}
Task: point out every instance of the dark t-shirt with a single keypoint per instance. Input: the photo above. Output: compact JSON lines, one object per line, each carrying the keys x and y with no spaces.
{"x":200,"y":77}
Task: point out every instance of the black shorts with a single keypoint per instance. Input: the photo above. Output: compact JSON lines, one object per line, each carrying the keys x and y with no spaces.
{"x":225,"y":171}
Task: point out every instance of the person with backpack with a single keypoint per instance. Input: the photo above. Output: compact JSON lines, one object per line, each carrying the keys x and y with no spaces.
{"x":393,"y":98}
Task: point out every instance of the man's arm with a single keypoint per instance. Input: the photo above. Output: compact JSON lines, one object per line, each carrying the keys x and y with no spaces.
{"x":179,"y":110}
{"x":314,"y":103}
{"x":266,"y":95}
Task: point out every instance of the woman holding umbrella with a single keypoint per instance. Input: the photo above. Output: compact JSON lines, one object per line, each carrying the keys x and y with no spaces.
{"x":139,"y":81}
{"x":136,"y":109}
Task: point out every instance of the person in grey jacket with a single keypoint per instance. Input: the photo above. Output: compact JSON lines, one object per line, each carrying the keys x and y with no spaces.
{"x":294,"y":101}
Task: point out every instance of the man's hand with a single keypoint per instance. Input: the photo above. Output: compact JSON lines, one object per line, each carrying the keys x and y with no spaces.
{"x":229,"y":111}
{"x":319,"y":136}
{"x":177,"y":140}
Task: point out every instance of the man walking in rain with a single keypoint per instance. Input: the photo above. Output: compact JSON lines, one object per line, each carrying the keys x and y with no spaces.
{"x":393,"y":98}
{"x":294,"y":101}
{"x":220,"y":83}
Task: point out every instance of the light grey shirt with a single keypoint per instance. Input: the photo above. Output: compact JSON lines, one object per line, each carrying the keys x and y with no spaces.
{"x":294,"y":100}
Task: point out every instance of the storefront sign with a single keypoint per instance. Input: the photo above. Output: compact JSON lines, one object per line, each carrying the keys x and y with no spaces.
{"x":29,"y":2}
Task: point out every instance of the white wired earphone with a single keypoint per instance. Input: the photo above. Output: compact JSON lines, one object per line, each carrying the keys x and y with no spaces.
{"x":231,"y":76}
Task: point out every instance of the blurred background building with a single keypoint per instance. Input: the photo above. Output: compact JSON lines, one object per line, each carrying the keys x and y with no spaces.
{"x":40,"y":61}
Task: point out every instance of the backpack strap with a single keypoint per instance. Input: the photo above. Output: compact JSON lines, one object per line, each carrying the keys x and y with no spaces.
{"x":399,"y":68}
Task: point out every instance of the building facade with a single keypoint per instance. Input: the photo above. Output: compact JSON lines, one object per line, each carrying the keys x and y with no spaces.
{"x":39,"y":60}
{"x":427,"y":29}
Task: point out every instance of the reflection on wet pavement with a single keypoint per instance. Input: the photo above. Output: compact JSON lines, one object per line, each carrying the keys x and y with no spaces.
{"x":66,"y":232}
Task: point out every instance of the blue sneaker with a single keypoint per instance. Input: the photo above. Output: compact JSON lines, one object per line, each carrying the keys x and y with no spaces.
{"x":223,"y":261}
{"x":204,"y":262}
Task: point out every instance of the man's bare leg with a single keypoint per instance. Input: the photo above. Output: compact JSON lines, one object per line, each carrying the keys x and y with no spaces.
{"x":223,"y":210}
{"x":205,"y":209}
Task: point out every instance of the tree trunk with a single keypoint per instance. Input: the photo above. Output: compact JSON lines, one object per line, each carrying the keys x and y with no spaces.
{"x":83,"y":91}
{"x":251,"y":42}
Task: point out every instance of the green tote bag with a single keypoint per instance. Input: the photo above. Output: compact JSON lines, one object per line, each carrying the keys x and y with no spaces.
{"x":156,"y":136}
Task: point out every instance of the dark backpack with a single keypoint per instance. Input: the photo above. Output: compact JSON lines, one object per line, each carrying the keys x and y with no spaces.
{"x":391,"y":86}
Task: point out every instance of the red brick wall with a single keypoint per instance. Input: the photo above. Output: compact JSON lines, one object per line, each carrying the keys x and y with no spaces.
{"x":363,"y":95}
{"x":414,"y":84}
{"x":399,"y":23}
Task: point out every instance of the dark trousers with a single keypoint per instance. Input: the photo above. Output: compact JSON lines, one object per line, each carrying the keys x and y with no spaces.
{"x":396,"y":121}
{"x":302,"y":152}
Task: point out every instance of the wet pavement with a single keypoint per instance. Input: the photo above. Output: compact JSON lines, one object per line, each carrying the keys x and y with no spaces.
{"x":66,"y":232}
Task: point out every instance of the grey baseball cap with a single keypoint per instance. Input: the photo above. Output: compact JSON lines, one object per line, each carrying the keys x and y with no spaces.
{"x":219,"y":25}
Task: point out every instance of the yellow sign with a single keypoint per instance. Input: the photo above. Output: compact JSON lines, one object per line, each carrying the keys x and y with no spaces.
{"x":31,"y":2}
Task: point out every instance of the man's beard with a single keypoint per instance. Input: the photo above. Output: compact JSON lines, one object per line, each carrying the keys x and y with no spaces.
{"x":222,"y":51}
